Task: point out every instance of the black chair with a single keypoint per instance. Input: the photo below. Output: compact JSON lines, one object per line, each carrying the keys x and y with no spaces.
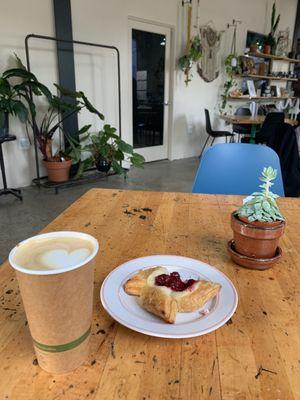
{"x":242,"y":129}
{"x":214,"y":134}
{"x":6,"y":190}
{"x":270,"y":126}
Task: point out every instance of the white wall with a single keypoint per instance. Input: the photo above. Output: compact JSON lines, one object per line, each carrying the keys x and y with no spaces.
{"x":107,"y":23}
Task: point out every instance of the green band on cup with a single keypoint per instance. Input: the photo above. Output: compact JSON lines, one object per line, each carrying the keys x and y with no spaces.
{"x":62,"y":347}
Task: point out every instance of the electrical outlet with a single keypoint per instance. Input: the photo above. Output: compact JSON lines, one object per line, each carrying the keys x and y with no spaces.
{"x":190,"y":128}
{"x":24,"y":143}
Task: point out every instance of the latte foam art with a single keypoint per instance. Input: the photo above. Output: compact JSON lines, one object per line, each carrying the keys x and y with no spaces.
{"x":53,"y":253}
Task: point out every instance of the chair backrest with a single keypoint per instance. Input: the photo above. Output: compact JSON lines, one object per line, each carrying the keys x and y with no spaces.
{"x":272,"y":123}
{"x":235,"y":168}
{"x":241,"y":128}
{"x":207,"y":122}
{"x":242,"y":111}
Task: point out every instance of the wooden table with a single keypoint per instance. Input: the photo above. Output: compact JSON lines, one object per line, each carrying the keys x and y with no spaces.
{"x":256,"y":355}
{"x":249,"y":120}
{"x":253,"y":121}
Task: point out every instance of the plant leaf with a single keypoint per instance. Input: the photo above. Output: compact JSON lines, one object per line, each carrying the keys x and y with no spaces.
{"x":20,"y":110}
{"x":90,"y":107}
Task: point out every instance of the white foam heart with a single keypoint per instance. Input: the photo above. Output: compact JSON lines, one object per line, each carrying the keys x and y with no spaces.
{"x":62,"y":258}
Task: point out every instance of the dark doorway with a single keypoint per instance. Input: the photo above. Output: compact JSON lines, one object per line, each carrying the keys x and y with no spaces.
{"x":148,"y":77}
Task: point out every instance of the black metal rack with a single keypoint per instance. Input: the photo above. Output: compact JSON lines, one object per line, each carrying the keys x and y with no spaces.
{"x":42,"y":181}
{"x":90,"y":175}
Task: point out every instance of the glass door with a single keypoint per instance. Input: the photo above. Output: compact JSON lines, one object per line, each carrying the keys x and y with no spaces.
{"x":150,"y":51}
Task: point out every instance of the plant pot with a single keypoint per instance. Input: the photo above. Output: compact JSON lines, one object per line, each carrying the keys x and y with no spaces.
{"x":5,"y":128}
{"x":58,"y":171}
{"x":267,"y":49}
{"x":102,"y":164}
{"x":253,"y":48}
{"x":256,"y":239}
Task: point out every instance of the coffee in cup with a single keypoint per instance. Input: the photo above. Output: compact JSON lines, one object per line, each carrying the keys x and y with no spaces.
{"x":55,"y":273}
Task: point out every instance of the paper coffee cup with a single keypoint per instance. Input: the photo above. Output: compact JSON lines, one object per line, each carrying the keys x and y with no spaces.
{"x":58,"y":305}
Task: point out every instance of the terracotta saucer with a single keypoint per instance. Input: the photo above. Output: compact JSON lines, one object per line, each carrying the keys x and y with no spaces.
{"x":252,"y":263}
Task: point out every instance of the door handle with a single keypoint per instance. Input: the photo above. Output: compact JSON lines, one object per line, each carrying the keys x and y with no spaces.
{"x":166,"y":103}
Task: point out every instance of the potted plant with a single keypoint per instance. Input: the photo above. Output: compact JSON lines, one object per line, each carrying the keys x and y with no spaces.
{"x":232,"y":67}
{"x":27,"y":91}
{"x":258,"y":224}
{"x":193,"y":55}
{"x":108,"y":150}
{"x":270,"y":42}
{"x":253,"y":47}
{"x":74,"y":152}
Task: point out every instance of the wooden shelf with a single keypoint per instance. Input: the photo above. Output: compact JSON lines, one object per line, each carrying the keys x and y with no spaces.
{"x":271,"y":57}
{"x":247,"y":98}
{"x":272,"y":78}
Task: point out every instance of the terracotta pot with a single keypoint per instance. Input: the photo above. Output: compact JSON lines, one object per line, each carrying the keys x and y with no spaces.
{"x":58,"y":171}
{"x":267,"y":49}
{"x":256,"y":239}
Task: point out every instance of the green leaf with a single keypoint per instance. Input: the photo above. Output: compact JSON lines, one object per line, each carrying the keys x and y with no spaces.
{"x":84,"y":129}
{"x":46,"y":92}
{"x":67,"y":92}
{"x":266,"y":206}
{"x":104,"y":151}
{"x":137,"y":159}
{"x":117,"y":168}
{"x":125,"y":147}
{"x":20,"y":65}
{"x":21,"y":111}
{"x":90,"y":107}
{"x":19,"y":73}
{"x":5,"y":89}
{"x":119,"y":156}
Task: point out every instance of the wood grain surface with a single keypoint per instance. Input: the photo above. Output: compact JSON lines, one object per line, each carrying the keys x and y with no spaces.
{"x":256,"y":355}
{"x":248,"y":120}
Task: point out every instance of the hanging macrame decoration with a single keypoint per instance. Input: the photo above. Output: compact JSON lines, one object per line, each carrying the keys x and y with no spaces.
{"x":209,"y":66}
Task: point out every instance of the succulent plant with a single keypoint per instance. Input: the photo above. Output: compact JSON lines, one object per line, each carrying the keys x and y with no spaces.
{"x":262,"y":206}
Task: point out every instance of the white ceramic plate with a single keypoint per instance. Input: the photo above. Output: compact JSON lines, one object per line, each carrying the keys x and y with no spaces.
{"x":125,"y":309}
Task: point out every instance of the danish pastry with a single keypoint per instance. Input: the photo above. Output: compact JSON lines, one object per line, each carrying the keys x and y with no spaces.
{"x":165,"y":294}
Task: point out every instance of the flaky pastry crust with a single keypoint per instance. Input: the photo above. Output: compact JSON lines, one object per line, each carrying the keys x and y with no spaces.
{"x":164,"y":304}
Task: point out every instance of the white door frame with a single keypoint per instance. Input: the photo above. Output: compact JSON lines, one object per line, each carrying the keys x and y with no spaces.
{"x":168,"y":30}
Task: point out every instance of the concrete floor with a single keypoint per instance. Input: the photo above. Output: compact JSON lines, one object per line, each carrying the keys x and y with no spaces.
{"x":20,"y":220}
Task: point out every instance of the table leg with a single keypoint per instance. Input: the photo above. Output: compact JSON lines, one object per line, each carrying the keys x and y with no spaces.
{"x":252,"y":134}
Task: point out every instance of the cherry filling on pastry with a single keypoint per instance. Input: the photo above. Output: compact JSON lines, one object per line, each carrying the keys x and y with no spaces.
{"x":174,"y":282}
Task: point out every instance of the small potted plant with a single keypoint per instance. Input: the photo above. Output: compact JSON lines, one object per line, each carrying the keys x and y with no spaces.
{"x":270,"y":42}
{"x":253,"y":47}
{"x":108,"y":149}
{"x":257,"y":225}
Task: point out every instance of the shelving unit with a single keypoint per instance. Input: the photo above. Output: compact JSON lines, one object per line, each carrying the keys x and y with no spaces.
{"x":241,"y":98}
{"x":272,"y":57}
{"x":269,"y":77}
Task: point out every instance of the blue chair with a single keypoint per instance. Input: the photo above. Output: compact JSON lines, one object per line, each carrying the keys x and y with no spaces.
{"x":235,"y":168}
